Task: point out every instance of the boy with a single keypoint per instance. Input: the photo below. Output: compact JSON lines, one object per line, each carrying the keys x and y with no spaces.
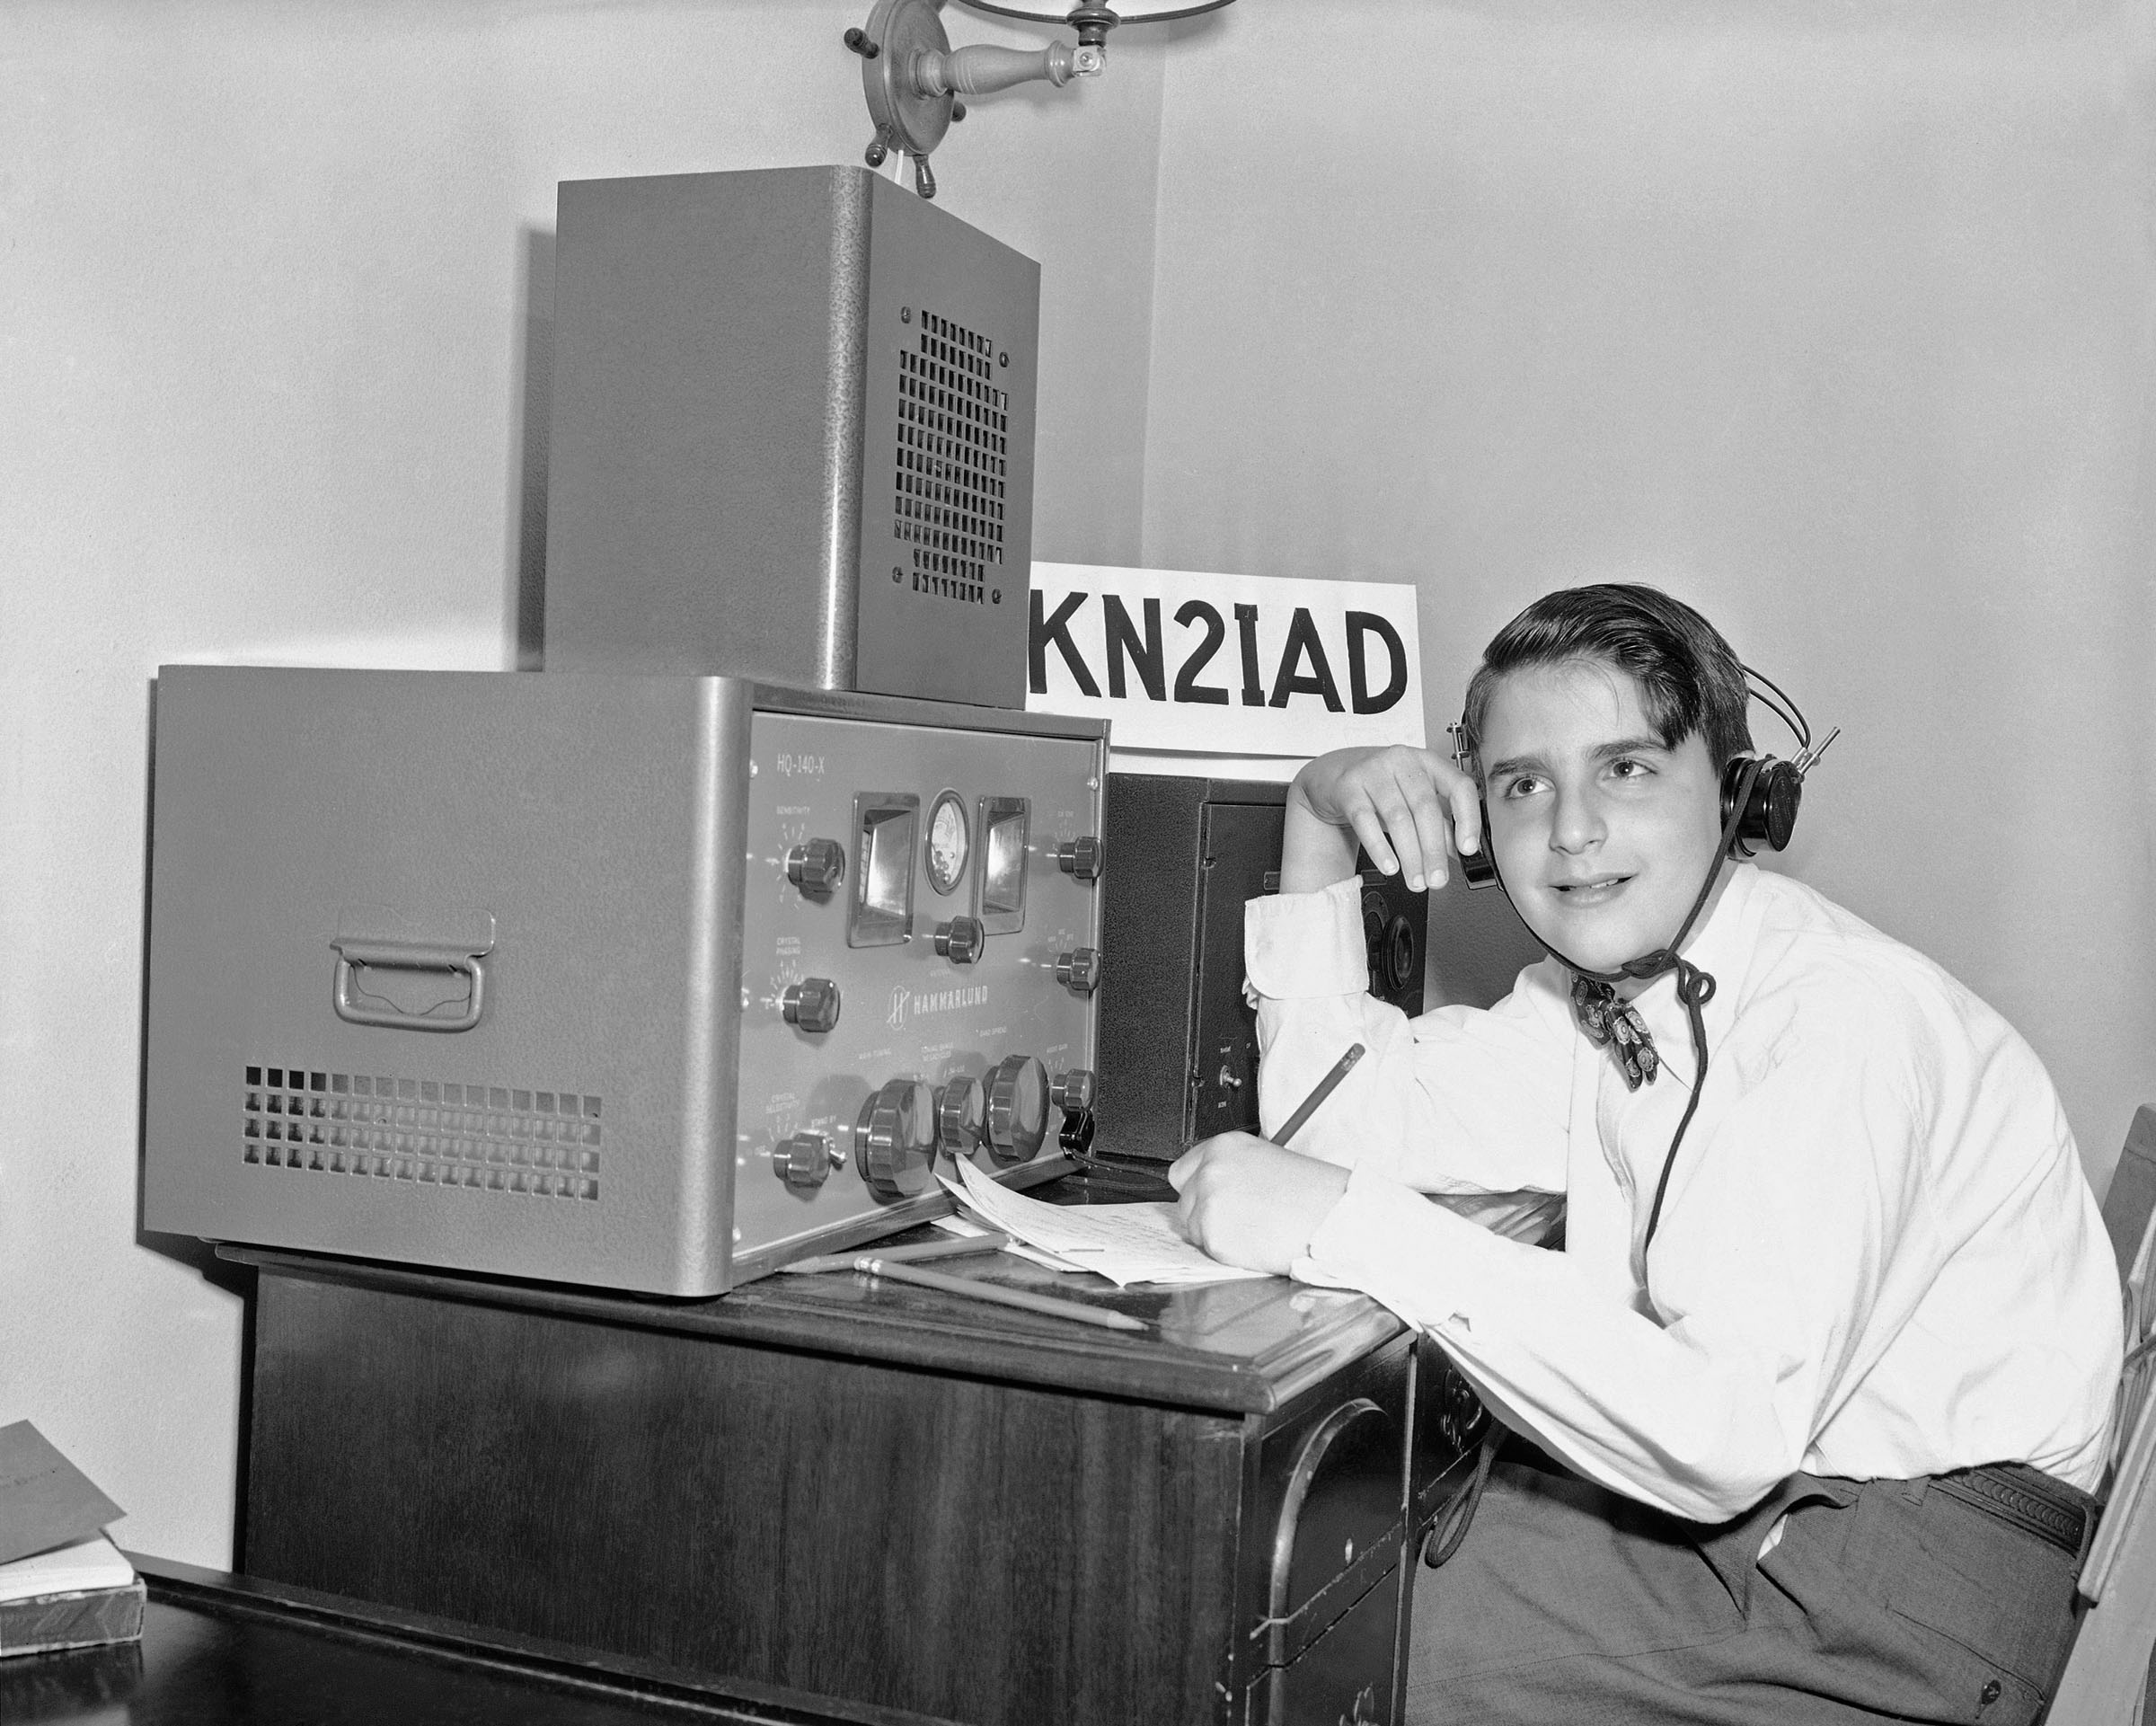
{"x":1819,"y":1385}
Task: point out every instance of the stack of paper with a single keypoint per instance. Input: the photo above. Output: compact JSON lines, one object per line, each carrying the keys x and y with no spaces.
{"x":1125,"y":1243}
{"x":62,"y":1583}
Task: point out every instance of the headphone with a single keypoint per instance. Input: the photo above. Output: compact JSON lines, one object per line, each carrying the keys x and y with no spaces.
{"x":1767,"y":790}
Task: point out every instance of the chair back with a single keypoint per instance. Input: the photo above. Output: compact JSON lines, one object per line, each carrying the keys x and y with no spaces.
{"x":2107,"y":1678}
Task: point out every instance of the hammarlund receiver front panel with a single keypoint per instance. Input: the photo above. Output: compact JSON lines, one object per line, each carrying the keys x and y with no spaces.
{"x":644,"y":982}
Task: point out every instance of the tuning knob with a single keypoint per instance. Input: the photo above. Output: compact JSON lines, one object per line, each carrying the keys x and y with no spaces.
{"x":816,"y":867}
{"x":1079,"y":971}
{"x":960,"y":939}
{"x":803,"y":1162}
{"x":1017,"y":1108}
{"x":896,"y":1139}
{"x":961,"y":1111}
{"x":1072,"y":1091}
{"x":1081,"y":857}
{"x":811,"y":1003}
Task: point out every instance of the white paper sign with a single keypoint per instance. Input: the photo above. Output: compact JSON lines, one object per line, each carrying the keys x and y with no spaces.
{"x":1238,"y":665}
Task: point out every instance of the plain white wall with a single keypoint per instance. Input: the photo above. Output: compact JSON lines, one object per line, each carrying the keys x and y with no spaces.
{"x":1834,"y":320}
{"x":274,"y":284}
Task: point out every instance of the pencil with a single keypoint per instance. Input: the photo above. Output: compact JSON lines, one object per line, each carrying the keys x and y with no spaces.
{"x":1002,"y":1297}
{"x":949,"y":1249}
{"x":1296,"y":1122}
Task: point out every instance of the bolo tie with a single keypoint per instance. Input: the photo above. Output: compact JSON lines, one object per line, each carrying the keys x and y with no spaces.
{"x":1609,"y":1021}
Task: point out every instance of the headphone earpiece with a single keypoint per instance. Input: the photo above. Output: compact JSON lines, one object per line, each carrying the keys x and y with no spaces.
{"x":1476,"y":867}
{"x":1770,"y":813}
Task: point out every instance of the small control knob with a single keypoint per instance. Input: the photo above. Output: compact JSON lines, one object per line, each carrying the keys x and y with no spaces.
{"x":803,"y":1162}
{"x":811,"y":1003}
{"x":895,"y":1139}
{"x":1081,"y":857}
{"x":960,"y":939}
{"x":961,"y":1113}
{"x":1072,"y":1091}
{"x":1079,"y":971}
{"x":1017,"y":1108}
{"x":816,"y":867}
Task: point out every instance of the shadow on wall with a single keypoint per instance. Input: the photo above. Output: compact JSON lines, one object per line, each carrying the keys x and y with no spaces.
{"x":1476,"y":947}
{"x":533,"y":415}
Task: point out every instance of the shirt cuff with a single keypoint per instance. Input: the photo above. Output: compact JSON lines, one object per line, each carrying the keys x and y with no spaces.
{"x":1304,"y":945}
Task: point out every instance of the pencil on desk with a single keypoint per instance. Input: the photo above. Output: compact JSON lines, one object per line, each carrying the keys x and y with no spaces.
{"x":950,"y":1249}
{"x":1326,"y":1086}
{"x":1001,"y":1296}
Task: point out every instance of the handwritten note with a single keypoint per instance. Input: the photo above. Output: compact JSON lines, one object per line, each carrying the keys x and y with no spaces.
{"x":1125,"y":1243}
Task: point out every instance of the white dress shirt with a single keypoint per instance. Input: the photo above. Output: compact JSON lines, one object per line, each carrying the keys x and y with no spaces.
{"x":1878,"y":1256}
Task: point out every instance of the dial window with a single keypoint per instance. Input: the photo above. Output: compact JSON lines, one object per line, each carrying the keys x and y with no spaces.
{"x":950,"y":843}
{"x":1002,"y":896}
{"x":885,"y":829}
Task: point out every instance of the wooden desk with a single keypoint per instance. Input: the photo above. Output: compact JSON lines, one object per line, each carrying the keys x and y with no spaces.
{"x":873,"y":1492}
{"x":227,"y":1651}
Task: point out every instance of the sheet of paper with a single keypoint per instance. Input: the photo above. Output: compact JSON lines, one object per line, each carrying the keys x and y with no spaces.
{"x":45,"y":1499}
{"x":962,"y":1225}
{"x":1125,"y":1243}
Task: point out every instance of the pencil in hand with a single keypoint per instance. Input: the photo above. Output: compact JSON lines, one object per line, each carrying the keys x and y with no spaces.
{"x":1325,"y":1087}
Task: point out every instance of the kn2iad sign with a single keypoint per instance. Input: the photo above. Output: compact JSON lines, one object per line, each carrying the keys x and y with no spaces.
{"x":1234,"y":664}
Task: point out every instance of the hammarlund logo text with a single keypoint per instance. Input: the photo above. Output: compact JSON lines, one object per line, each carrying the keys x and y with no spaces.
{"x":905,"y":1001}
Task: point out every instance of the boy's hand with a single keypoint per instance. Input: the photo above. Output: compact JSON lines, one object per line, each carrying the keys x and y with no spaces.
{"x":1249,"y":1203}
{"x":1406,"y":807}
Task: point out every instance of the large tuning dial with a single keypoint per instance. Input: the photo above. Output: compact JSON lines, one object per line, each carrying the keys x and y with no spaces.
{"x":1017,"y":1108}
{"x":895,"y":1139}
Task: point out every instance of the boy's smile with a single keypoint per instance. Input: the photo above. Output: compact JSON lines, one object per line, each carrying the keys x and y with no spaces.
{"x":1603,"y":835}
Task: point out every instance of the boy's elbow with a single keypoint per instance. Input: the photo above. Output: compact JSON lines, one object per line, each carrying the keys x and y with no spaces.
{"x":1724,"y":1477}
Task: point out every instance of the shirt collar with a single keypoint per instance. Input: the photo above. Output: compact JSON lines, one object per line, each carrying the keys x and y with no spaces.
{"x":1722,"y":947}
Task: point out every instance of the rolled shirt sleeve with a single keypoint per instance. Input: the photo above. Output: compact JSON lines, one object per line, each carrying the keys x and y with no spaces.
{"x":1459,"y":1101}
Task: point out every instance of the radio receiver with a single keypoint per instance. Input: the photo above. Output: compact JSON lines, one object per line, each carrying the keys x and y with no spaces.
{"x":647,"y":982}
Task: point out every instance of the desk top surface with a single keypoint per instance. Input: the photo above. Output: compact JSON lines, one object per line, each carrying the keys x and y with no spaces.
{"x":241,"y":1652}
{"x":1236,"y":1347}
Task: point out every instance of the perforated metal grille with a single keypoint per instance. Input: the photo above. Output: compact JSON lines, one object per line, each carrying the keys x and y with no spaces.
{"x":487,"y":1138}
{"x":954,"y":442}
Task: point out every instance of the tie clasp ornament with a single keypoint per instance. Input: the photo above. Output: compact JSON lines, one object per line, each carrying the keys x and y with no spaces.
{"x":1611,"y":1022}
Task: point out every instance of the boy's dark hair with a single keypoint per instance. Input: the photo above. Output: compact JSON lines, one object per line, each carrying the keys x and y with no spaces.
{"x":1689,"y":679}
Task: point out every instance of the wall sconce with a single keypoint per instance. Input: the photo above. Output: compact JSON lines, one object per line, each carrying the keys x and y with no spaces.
{"x":913,"y":77}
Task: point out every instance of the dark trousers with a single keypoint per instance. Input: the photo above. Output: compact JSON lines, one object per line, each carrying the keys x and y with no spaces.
{"x":1882,"y":1601}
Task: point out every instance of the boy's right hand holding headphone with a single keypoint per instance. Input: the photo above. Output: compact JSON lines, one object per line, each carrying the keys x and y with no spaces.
{"x":1409,"y":809}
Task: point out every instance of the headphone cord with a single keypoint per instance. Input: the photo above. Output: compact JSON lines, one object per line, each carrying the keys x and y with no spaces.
{"x":1695,"y":988}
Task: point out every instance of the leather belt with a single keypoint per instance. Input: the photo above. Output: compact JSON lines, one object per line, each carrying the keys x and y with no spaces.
{"x":2027,"y":1499}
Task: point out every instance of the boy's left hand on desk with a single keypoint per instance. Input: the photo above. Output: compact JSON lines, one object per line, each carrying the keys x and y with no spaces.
{"x":1248,"y":1202}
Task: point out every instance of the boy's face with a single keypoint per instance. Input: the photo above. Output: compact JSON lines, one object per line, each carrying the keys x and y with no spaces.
{"x":1603,"y":835}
